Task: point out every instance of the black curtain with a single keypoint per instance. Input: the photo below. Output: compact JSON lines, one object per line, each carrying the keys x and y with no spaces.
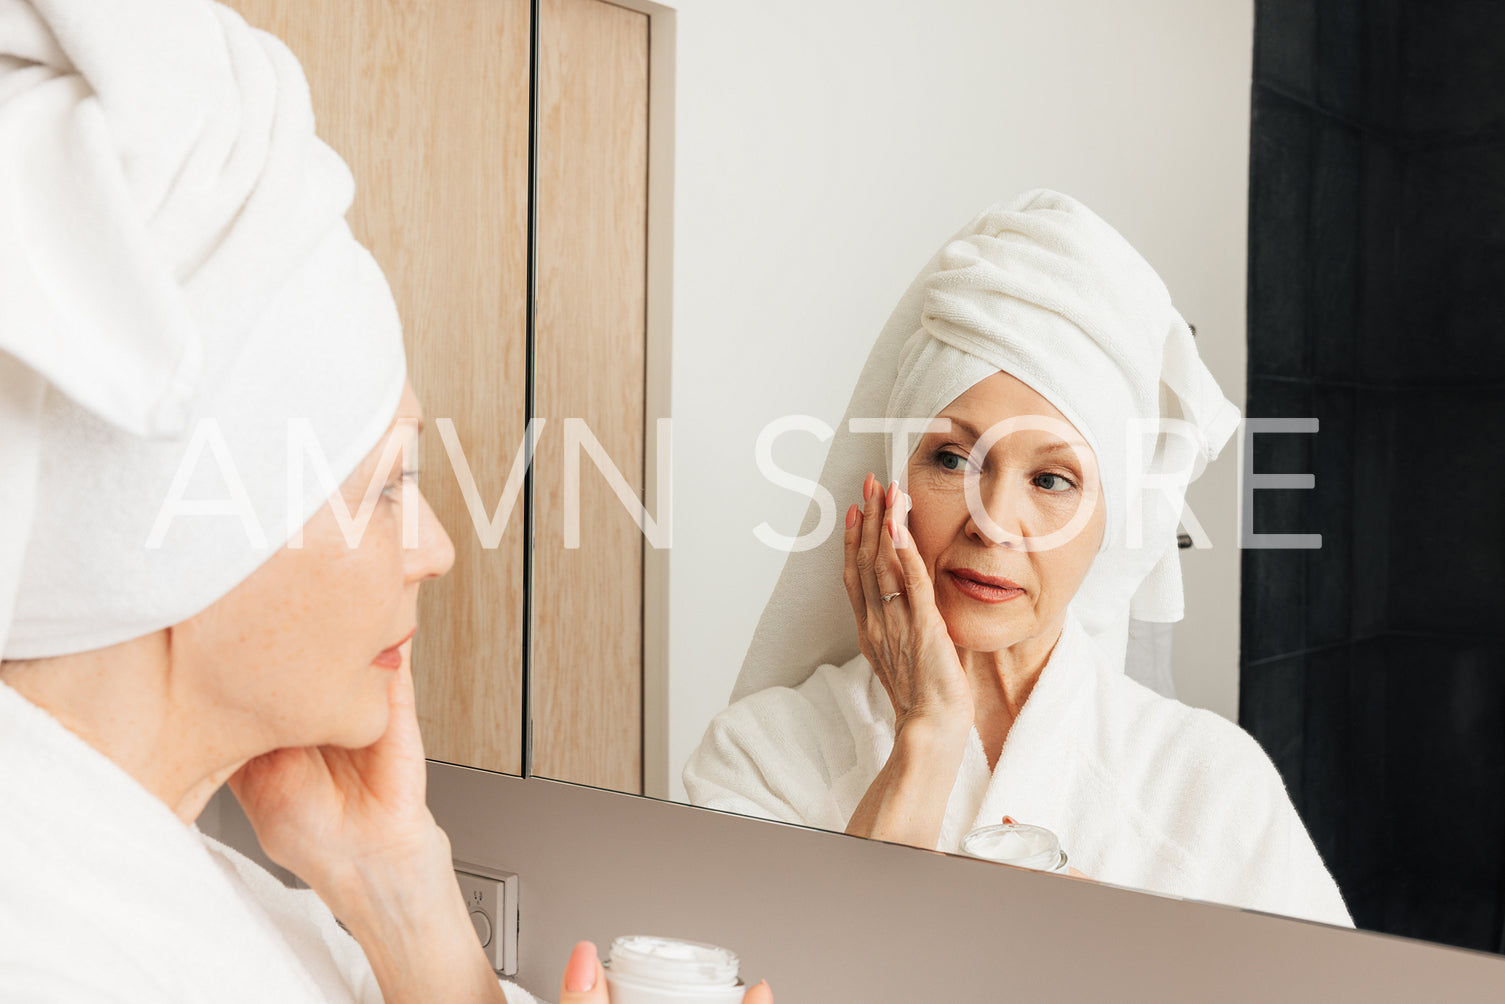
{"x":1373,"y":670}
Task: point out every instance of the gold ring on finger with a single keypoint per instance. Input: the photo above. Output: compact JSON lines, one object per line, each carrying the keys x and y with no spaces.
{"x":888,"y":596}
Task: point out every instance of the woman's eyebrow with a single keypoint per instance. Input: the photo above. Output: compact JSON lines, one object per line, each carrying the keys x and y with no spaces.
{"x":962,"y":424}
{"x":1059,"y":448}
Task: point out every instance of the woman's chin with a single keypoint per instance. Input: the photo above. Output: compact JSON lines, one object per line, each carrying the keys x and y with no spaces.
{"x":984,"y":642}
{"x":362,"y":727}
{"x":982,"y":634}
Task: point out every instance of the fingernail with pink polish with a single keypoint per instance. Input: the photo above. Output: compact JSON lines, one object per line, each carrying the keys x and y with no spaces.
{"x":852,"y":516}
{"x":580,"y":973}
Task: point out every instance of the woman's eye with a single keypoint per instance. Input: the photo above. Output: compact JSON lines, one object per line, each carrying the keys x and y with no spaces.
{"x":1053,"y":483}
{"x":394,"y":488}
{"x":951,"y":461}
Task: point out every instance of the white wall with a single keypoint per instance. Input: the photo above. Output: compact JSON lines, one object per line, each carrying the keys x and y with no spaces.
{"x":825,"y":149}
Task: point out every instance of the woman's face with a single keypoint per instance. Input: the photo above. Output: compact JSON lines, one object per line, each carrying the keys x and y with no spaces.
{"x":302,"y":651}
{"x":1006,"y":567}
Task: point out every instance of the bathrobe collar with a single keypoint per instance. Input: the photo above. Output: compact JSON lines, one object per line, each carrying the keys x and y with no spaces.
{"x":109,"y":879}
{"x":1022,"y":783}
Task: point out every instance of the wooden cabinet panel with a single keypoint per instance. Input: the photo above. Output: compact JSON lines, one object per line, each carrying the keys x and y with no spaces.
{"x":590,"y":337}
{"x":427,"y":100}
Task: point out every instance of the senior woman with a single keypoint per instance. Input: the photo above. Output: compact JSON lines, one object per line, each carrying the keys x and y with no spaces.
{"x":1030,"y":510}
{"x":186,"y":324}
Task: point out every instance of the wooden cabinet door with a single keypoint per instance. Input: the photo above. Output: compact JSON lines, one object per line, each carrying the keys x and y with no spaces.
{"x":427,"y":100}
{"x":587,"y":669}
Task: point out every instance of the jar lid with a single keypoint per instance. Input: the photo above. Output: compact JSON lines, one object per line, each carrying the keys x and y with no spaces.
{"x":1020,"y":844}
{"x":673,"y":963}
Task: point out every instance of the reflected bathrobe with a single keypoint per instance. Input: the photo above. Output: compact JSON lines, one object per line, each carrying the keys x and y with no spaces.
{"x":105,"y":895}
{"x":1142,"y":790}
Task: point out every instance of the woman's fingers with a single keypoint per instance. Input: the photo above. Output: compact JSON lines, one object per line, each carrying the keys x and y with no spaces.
{"x":850,"y":577}
{"x":913,"y":577}
{"x":759,"y":994}
{"x":889,"y":573}
{"x":584,"y":980}
{"x":867,"y":550}
{"x":886,"y":577}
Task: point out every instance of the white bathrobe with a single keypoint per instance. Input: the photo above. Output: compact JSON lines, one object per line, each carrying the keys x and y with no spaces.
{"x":105,"y":895}
{"x":1142,"y":790}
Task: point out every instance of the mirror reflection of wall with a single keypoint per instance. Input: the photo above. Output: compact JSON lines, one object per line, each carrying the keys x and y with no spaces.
{"x":825,"y":150}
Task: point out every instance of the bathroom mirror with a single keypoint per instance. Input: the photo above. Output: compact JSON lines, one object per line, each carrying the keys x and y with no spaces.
{"x":824,"y":150}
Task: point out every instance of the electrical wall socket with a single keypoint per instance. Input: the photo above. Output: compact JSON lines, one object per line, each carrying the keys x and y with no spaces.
{"x":491,"y":898}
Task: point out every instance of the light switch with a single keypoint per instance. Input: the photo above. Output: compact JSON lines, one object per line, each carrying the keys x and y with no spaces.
{"x":482,"y":924}
{"x":491,"y":897}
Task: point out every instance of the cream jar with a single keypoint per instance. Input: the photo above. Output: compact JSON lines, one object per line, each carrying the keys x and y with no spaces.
{"x":647,"y":970}
{"x":1019,"y":844}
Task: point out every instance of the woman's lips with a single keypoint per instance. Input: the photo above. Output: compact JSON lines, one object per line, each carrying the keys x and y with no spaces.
{"x":391,"y":658}
{"x":985,"y":588}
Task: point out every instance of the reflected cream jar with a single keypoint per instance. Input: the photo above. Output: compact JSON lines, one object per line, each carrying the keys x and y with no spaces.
{"x":648,"y":970}
{"x":1017,"y":844}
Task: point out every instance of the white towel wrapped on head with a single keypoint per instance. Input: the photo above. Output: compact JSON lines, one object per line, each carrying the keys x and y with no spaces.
{"x":175,"y":270}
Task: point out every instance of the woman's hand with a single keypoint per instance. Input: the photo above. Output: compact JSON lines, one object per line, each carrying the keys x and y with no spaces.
{"x":318,"y":811}
{"x":899,"y":628}
{"x":585,"y":981}
{"x":353,"y":824}
{"x":906,"y":642}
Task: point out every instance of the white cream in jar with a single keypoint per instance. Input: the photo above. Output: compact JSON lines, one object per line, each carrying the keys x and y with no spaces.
{"x":643,"y":969}
{"x":1018,"y":844}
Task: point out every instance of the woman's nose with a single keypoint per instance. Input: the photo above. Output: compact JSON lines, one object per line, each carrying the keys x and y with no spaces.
{"x":435,"y":553}
{"x":993,"y":513}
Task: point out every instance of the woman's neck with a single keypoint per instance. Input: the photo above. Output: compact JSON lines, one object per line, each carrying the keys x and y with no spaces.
{"x":1001,"y":683}
{"x":119,"y":700}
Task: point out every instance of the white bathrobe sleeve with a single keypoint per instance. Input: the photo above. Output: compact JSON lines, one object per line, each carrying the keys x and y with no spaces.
{"x":764,"y":757}
{"x":1285,"y":872}
{"x":1143,"y":791}
{"x":1165,"y":797}
{"x":105,"y":896}
{"x":803,"y":755}
{"x":332,"y":956}
{"x":1237,"y":809}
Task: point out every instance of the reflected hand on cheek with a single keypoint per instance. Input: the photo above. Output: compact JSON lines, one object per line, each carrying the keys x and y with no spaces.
{"x":900,"y":631}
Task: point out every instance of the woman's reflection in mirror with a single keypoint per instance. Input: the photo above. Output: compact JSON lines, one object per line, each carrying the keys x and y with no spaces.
{"x":957,"y":654}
